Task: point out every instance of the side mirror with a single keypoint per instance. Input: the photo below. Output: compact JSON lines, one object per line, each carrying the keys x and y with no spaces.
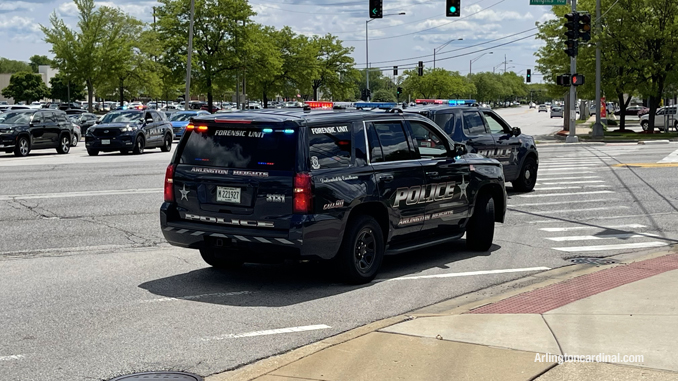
{"x":516,"y":131}
{"x":460,"y":150}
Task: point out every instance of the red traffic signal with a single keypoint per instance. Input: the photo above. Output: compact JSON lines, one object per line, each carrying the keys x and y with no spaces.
{"x":577,"y":79}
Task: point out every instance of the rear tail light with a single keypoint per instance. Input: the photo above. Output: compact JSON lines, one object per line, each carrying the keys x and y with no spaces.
{"x":190,"y":127}
{"x":302,"y":193}
{"x":169,"y":183}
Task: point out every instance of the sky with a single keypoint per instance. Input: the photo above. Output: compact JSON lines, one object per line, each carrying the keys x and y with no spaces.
{"x":503,"y":27}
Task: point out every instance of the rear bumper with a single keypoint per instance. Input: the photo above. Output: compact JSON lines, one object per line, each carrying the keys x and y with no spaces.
{"x":307,"y":237}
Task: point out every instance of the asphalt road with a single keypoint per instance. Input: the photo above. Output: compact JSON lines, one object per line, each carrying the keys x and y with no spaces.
{"x":89,"y":289}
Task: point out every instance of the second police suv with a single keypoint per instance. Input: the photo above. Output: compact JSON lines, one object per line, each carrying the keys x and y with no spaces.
{"x":349,"y":187}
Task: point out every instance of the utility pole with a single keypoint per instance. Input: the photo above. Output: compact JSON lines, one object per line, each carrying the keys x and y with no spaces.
{"x":598,"y":126}
{"x":504,"y":63}
{"x":187,"y":94}
{"x":572,"y":137}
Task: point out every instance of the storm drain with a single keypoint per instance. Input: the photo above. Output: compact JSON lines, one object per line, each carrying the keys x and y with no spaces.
{"x":594,"y":261}
{"x":174,"y":376}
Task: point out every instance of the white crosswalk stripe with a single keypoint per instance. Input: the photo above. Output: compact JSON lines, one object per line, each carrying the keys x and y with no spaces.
{"x":671,"y":158}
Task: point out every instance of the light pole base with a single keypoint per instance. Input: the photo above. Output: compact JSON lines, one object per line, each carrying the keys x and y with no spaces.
{"x":572,"y":139}
{"x":597,"y":131}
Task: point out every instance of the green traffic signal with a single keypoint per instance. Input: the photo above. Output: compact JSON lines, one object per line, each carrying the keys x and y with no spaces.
{"x":453,"y":9}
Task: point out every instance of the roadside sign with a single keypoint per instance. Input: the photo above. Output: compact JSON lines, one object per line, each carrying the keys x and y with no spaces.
{"x":603,"y":108}
{"x":548,"y":2}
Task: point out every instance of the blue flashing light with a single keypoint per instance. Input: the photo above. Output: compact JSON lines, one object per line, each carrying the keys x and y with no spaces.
{"x":289,"y":131}
{"x":379,"y":105}
{"x":268,"y":130}
{"x":460,"y":102}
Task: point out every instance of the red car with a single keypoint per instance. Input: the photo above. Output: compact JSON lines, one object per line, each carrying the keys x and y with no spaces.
{"x":213,"y":110}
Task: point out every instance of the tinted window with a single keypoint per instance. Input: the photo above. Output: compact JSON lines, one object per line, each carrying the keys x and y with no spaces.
{"x":330,"y":146}
{"x":445,"y":121}
{"x":376,"y":154}
{"x":393,"y":141}
{"x":495,"y":124}
{"x":15,"y":117}
{"x":473,"y":124}
{"x":241,"y":147}
{"x":122,"y":117}
{"x":427,"y":140}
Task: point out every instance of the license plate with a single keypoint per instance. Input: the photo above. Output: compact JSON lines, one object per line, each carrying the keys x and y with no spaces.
{"x":228,"y":194}
{"x":105,"y":141}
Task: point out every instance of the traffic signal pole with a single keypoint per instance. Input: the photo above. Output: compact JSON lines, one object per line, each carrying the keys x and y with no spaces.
{"x":598,"y":126}
{"x":572,"y":137}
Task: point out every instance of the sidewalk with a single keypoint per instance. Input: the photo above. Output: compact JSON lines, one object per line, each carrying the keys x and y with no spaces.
{"x":623,"y":309}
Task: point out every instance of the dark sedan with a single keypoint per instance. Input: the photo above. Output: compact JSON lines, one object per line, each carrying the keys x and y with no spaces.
{"x":84,"y":120}
{"x":130,"y":130}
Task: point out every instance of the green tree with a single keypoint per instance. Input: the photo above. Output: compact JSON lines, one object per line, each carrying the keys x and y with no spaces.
{"x":63,"y":89}
{"x":265,"y":62}
{"x":437,"y":83}
{"x":37,"y":60}
{"x":26,"y":86}
{"x":383,"y":95}
{"x":8,"y":66}
{"x":333,"y":70}
{"x":220,"y":41}
{"x":88,"y":52}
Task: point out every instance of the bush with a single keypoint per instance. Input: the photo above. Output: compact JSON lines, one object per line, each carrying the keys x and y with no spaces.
{"x":383,"y":95}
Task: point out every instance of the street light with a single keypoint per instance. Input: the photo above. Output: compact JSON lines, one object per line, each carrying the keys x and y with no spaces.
{"x":367,"y":49}
{"x":470,"y":63}
{"x":440,"y":48}
{"x":501,"y":63}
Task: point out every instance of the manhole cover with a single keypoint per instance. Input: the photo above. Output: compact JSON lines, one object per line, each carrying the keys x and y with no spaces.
{"x":594,"y":261}
{"x":174,"y":376}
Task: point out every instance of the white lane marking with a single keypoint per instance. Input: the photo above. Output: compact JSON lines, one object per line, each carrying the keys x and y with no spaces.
{"x":572,"y":173}
{"x":574,"y":182}
{"x":267,"y":332}
{"x":606,"y":218}
{"x":78,"y":194}
{"x":564,"y":194}
{"x":575,"y":187}
{"x":195,"y":297}
{"x":470,"y":273}
{"x":11,"y":357}
{"x":602,"y":236}
{"x":567,"y":178}
{"x":551,"y":166}
{"x":630,"y":226}
{"x":563,"y":202}
{"x":575,"y":210}
{"x":671,"y":158}
{"x":571,"y":169}
{"x":622,"y":246}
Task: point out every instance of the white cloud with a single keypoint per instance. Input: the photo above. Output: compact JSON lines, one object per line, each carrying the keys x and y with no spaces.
{"x":16,"y":6}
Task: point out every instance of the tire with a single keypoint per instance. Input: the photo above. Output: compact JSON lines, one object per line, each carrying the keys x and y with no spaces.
{"x":528,"y":176}
{"x":167,"y":145}
{"x":22,"y":147}
{"x":64,"y":144}
{"x":92,"y":152}
{"x":211,"y":258}
{"x":361,"y":251}
{"x":139,"y":145}
{"x":74,"y":141}
{"x":645,"y":125}
{"x":480,"y":228}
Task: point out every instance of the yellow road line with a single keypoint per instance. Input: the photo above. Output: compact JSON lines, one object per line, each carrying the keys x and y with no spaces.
{"x":647,"y":165}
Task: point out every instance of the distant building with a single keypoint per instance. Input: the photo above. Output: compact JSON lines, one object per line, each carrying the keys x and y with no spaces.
{"x":45,"y":71}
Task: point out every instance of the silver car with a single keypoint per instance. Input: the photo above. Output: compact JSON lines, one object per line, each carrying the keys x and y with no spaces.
{"x":556,"y":111}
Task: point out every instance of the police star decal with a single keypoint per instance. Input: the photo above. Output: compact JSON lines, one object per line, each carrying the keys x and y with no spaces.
{"x":184,"y":193}
{"x":462,"y":188}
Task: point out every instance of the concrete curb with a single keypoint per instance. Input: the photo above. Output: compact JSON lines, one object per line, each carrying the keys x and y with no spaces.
{"x":653,"y":141}
{"x":454,"y":306}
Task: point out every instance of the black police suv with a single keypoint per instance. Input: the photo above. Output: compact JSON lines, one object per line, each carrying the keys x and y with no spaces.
{"x":129,"y":130}
{"x":486,"y":133}
{"x":343,"y":186}
{"x":22,"y":131}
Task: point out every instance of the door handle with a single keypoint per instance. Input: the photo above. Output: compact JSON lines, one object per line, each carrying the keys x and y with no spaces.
{"x":431,"y":174}
{"x":385,"y":178}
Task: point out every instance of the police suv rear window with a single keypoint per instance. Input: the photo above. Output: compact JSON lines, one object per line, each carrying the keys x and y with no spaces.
{"x":242,"y":147}
{"x":330,"y":146}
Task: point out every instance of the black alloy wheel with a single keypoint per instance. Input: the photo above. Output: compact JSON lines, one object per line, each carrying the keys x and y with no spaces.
{"x":167,"y":145}
{"x":362,"y":251}
{"x":138,"y":146}
{"x":480,"y":228}
{"x":527,"y":178}
{"x":64,"y":144}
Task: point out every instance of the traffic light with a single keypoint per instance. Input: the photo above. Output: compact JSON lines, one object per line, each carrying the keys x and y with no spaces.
{"x":571,"y":48}
{"x":376,"y":9}
{"x":395,"y":71}
{"x":453,"y":8}
{"x":572,"y":26}
{"x":577,"y":79}
{"x":584,"y":27}
{"x":528,"y":78}
{"x":563,"y":80}
{"x":420,"y":68}
{"x":368,"y":93}
{"x":399,"y":90}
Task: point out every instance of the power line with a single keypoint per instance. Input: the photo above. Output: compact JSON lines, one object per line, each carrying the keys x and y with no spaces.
{"x":461,"y":48}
